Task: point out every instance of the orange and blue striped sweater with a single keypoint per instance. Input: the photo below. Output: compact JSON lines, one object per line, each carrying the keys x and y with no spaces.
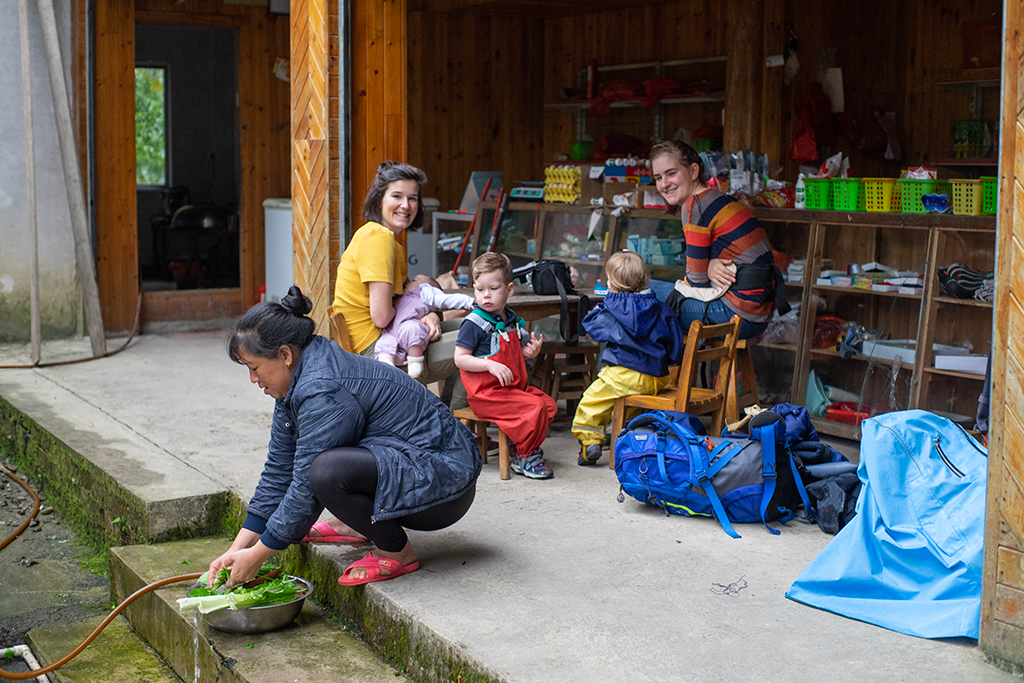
{"x":724,"y":228}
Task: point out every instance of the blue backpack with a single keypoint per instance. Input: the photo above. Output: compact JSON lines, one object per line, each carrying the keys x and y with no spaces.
{"x":662,"y":462}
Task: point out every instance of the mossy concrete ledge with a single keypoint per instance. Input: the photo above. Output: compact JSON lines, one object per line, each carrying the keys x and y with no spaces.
{"x":314,"y":648}
{"x":117,"y":655}
{"x":408,"y":644}
{"x":113,"y":486}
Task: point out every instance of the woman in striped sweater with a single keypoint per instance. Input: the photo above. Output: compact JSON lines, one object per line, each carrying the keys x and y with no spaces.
{"x":729,"y":265}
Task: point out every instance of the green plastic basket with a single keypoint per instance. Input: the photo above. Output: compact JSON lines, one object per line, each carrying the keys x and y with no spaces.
{"x":818,"y":193}
{"x":912,"y":189}
{"x":881,"y":194}
{"x":848,"y":194}
{"x":989,"y":194}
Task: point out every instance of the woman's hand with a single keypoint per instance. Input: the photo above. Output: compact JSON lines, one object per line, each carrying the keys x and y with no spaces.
{"x":433,"y":324}
{"x":501,"y":372}
{"x":244,"y":563}
{"x":532,"y":348}
{"x":720,"y":274}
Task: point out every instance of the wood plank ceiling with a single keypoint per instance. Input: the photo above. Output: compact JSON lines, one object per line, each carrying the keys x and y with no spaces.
{"x":527,"y":7}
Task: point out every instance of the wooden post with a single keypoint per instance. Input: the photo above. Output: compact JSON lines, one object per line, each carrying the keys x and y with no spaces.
{"x":35,"y":326}
{"x":72,"y":180}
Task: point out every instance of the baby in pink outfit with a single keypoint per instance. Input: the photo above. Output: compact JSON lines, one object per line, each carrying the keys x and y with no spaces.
{"x":406,"y":335}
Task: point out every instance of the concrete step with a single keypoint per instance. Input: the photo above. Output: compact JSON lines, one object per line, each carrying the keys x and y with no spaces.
{"x":116,"y":485}
{"x":117,"y":655}
{"x":314,"y":648}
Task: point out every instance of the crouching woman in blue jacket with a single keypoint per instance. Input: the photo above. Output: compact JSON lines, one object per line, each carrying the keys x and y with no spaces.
{"x":642,"y":338}
{"x":349,"y":434}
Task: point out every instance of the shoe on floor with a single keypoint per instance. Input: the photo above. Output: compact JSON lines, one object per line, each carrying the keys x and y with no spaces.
{"x":589,"y":455}
{"x":328,"y":536}
{"x":532,"y":466}
{"x":373,"y":567}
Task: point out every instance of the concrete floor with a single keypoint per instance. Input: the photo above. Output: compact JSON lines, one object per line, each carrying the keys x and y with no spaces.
{"x":542,"y":580}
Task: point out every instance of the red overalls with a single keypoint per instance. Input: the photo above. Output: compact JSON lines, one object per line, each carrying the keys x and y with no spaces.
{"x":522,"y":411}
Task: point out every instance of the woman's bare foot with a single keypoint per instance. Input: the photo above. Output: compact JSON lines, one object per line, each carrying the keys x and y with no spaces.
{"x":405,"y":556}
{"x":339,"y":527}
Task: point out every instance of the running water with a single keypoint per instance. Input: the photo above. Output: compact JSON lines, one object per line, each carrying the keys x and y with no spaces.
{"x":195,"y":647}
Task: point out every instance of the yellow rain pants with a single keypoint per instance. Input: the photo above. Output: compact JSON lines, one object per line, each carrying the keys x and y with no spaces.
{"x":595,"y":409}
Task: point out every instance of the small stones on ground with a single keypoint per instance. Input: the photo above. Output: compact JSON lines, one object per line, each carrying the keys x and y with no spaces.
{"x":27,"y":562}
{"x":34,"y":522}
{"x":46,"y":510}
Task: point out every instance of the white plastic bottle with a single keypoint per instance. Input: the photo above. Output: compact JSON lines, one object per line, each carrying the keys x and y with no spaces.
{"x":801,"y":197}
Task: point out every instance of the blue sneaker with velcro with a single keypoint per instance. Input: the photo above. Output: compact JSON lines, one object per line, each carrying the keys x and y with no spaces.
{"x":532,"y":466}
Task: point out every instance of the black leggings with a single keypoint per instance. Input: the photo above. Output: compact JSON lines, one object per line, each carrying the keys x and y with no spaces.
{"x":344,"y":480}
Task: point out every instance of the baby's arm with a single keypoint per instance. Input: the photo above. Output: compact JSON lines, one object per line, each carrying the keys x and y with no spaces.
{"x":439,"y":300}
{"x":465,"y":360}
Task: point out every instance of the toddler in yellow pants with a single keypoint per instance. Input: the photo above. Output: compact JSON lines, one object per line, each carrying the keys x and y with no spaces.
{"x":642,"y":338}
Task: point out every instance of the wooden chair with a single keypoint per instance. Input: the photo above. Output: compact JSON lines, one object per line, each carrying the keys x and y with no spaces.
{"x":470,"y":419}
{"x":681,"y":394}
{"x":339,"y":330}
{"x":743,"y":378}
{"x":563,"y":370}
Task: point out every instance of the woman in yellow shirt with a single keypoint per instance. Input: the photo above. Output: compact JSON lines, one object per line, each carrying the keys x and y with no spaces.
{"x":373,"y":270}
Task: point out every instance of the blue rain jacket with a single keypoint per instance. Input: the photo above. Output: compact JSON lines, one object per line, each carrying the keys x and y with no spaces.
{"x":336,"y":399}
{"x":911,"y":559}
{"x":641,"y":332}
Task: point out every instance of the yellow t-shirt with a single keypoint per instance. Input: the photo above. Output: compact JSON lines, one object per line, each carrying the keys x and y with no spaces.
{"x":373,"y":255}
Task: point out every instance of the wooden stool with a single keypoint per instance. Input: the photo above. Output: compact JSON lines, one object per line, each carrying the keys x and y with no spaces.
{"x":504,"y":456}
{"x":566,"y":377}
{"x":742,"y":368}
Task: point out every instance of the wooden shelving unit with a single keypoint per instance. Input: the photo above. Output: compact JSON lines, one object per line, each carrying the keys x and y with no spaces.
{"x":922,"y":242}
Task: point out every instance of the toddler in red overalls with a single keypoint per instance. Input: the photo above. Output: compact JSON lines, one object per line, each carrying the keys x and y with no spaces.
{"x":490,"y":353}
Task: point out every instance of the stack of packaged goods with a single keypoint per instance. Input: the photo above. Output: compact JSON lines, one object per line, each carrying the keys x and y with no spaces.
{"x":562,"y":184}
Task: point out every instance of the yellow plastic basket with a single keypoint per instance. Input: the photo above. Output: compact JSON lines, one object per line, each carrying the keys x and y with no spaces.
{"x":881,"y":194}
{"x":967,"y":196}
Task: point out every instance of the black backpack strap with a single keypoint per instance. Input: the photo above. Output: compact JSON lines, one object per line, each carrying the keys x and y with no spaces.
{"x":563,"y":318}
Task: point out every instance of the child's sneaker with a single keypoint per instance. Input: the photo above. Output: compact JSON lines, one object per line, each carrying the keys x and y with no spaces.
{"x":589,"y":455}
{"x":532,"y":466}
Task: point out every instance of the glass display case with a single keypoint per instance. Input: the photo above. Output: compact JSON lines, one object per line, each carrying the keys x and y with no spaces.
{"x":577,"y":236}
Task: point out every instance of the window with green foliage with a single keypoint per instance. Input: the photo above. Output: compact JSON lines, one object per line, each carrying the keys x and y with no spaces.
{"x":151,"y":126}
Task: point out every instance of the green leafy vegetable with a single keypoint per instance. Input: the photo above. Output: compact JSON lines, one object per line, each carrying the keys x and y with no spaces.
{"x":270,"y":592}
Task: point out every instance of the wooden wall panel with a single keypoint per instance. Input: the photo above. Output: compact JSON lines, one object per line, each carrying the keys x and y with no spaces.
{"x":311,"y":155}
{"x":379,"y":116}
{"x":475,"y":101}
{"x":1002,"y":625}
{"x":117,"y":268}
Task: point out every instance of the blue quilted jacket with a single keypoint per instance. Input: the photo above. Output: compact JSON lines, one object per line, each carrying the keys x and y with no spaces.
{"x":337,"y":399}
{"x":641,"y":333}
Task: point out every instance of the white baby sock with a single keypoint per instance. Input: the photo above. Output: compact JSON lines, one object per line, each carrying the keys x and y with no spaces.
{"x":415,"y":366}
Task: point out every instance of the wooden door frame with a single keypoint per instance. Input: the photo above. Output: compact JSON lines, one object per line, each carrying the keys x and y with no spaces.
{"x":117,"y":230}
{"x":1002,"y":629}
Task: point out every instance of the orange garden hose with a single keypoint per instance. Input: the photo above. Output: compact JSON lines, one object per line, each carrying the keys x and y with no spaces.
{"x":106,"y":622}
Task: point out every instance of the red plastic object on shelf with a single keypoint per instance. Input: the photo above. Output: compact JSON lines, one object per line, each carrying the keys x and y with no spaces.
{"x":847,"y":413}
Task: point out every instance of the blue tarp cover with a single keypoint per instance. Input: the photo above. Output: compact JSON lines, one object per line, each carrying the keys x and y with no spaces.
{"x":911,"y":559}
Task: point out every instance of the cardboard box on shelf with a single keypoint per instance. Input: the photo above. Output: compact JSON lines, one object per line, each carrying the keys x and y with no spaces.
{"x":973,"y":362}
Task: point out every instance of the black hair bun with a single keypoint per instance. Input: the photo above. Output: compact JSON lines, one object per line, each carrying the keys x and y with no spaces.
{"x":296,"y":303}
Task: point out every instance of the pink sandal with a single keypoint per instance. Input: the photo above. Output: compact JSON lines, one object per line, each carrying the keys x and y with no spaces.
{"x":328,"y":536}
{"x":373,"y":567}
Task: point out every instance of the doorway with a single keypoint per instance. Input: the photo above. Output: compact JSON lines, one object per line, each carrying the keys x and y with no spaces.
{"x":187,"y":142}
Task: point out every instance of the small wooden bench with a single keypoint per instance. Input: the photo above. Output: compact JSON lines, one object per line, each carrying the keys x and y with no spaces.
{"x":469,"y":418}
